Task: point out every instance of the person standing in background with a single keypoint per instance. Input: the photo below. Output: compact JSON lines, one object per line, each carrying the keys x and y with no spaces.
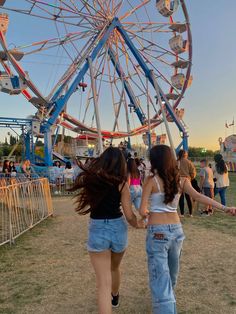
{"x":58,"y":176}
{"x":187,"y":170}
{"x":12,"y":168}
{"x":221,"y":177}
{"x":206,"y":184}
{"x":25,"y":168}
{"x":6,"y":168}
{"x":134,"y":181}
{"x":68,"y":175}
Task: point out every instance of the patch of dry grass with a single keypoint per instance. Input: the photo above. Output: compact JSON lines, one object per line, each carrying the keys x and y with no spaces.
{"x":48,"y":270}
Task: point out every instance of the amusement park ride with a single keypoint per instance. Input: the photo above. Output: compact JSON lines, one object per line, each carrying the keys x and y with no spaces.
{"x":117,"y":72}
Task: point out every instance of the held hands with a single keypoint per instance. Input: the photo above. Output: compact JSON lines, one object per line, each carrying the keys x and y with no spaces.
{"x":141,"y":224}
{"x":229,"y":210}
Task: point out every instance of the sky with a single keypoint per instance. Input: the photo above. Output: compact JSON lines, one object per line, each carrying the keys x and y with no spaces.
{"x":209,"y":102}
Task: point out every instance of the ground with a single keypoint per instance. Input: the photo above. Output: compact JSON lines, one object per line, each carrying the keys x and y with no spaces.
{"x":48,"y":269}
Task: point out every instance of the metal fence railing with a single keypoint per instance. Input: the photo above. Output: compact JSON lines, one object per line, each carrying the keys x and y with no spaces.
{"x":22,"y":206}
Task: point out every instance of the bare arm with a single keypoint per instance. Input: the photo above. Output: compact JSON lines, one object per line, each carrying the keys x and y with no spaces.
{"x":187,"y":188}
{"x":147,"y":189}
{"x":126,"y":205}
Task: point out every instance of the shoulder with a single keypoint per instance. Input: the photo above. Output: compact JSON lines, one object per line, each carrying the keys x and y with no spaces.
{"x":190,"y":163}
{"x":123,"y":187}
{"x":149,"y":180}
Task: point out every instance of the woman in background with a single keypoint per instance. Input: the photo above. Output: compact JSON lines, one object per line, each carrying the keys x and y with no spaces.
{"x":6,"y":168}
{"x":68,"y":175}
{"x":12,"y":168}
{"x":221,"y":177}
{"x":58,"y":175}
{"x":134,"y":180}
{"x":26,"y":169}
{"x":186,"y":170}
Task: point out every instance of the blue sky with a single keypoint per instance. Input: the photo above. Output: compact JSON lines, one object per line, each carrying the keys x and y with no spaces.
{"x":209,"y":102}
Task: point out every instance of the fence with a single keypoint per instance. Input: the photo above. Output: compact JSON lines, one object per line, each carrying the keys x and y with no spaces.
{"x":22,"y":206}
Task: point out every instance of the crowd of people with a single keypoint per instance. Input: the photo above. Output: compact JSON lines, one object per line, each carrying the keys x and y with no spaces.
{"x":213,"y":181}
{"x":107,"y":187}
{"x":9,"y":169}
{"x":62,"y":176}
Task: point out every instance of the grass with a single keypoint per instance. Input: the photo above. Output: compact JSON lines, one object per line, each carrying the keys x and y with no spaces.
{"x":48,"y":269}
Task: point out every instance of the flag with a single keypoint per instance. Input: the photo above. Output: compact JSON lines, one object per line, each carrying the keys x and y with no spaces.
{"x":226,"y":125}
{"x":232,"y":123}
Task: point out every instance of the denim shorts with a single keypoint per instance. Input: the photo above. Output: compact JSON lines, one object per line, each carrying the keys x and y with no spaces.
{"x":209,"y":192}
{"x":163,"y":246}
{"x":107,"y":234}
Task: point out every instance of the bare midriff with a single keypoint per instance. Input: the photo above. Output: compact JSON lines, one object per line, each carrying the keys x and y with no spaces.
{"x":163,"y":218}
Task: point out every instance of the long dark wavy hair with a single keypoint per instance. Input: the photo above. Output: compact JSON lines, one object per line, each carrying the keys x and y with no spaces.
{"x":181,"y":154}
{"x":221,"y":167}
{"x":132,"y":168}
{"x":164,"y":164}
{"x":98,"y":177}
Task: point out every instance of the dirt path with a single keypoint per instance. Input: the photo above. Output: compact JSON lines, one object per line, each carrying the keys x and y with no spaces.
{"x":48,"y":271}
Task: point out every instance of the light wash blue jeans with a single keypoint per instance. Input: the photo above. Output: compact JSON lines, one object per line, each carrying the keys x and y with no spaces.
{"x":163,"y":246}
{"x":222,"y":192}
{"x":136,"y":195}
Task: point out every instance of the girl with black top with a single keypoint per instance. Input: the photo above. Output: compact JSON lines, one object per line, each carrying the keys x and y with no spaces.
{"x":102,"y":189}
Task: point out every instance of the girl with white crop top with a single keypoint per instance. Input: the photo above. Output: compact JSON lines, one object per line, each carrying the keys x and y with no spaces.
{"x":164,"y":231}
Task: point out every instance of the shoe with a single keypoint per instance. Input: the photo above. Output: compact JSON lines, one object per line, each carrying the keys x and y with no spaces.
{"x":115,"y":300}
{"x":181,"y":216}
{"x":191,"y":216}
{"x":205,"y":214}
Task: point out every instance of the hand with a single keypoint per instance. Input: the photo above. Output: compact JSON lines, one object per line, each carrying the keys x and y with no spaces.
{"x":141,"y":224}
{"x":231,"y":210}
{"x":144,"y":213}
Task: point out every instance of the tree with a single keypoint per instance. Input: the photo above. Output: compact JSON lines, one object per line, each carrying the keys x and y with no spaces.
{"x":200,"y":152}
{"x":13,"y":140}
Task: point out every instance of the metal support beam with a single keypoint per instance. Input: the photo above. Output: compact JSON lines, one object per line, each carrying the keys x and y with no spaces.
{"x":97,"y":117}
{"x":61,"y":102}
{"x":185,"y":141}
{"x":148,"y":113}
{"x":48,"y":148}
{"x":27,"y":146}
{"x":147,"y":72}
{"x":128,"y":89}
{"x":159,"y":100}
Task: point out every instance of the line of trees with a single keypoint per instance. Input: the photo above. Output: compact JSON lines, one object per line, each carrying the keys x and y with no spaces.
{"x":194,"y":152}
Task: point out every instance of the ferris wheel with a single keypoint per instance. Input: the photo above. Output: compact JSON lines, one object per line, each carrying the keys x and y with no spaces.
{"x":108,"y":67}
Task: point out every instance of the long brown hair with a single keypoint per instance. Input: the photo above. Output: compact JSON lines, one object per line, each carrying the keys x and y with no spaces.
{"x":132,"y":168}
{"x":164,"y":164}
{"x":94,"y":183}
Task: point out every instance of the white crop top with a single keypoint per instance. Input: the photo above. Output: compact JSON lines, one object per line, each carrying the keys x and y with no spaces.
{"x":157,"y":201}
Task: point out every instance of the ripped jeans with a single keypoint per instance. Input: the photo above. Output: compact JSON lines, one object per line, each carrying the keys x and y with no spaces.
{"x":163,"y":246}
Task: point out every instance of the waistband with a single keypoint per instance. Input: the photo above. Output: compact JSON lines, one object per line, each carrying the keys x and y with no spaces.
{"x":161,"y":227}
{"x":107,"y":221}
